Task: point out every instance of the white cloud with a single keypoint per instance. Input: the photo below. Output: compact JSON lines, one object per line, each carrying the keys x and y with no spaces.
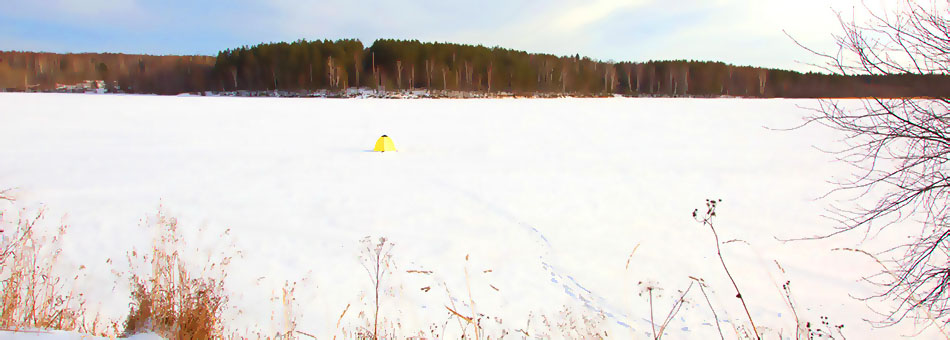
{"x":574,"y":18}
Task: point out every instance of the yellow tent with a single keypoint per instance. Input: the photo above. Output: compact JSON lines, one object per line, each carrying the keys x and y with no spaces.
{"x":384,"y":144}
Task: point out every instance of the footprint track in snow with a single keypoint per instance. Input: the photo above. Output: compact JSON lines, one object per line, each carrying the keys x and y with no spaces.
{"x":570,"y":286}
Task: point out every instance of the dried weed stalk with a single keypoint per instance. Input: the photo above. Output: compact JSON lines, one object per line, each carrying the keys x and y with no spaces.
{"x":706,"y":219}
{"x":33,"y":296}
{"x":376,"y":259}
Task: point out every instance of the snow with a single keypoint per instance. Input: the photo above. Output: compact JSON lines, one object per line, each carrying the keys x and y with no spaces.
{"x":532,"y":205}
{"x":29,"y":334}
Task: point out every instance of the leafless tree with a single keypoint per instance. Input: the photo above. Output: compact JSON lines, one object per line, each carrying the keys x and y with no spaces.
{"x":900,"y":148}
{"x":356,"y":67}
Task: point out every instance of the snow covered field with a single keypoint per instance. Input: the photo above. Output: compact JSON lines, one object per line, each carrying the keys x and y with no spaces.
{"x":547,"y":198}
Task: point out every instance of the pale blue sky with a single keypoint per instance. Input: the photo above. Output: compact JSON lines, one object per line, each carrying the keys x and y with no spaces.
{"x":745,"y":32}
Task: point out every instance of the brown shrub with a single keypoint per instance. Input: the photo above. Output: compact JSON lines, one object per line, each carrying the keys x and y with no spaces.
{"x":171,"y":301}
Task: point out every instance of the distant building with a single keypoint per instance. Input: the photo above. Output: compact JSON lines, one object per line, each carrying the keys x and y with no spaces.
{"x":87,"y":86}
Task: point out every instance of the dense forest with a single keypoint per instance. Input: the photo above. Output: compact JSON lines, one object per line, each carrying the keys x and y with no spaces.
{"x":29,"y":71}
{"x":397,"y":65}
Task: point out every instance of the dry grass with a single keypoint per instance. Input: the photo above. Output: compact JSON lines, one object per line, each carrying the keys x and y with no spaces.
{"x":175,"y":301}
{"x":170,"y":300}
{"x":33,"y":296}
{"x":285,"y":320}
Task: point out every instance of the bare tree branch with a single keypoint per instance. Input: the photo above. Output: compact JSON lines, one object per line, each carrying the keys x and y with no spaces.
{"x":899,"y":149}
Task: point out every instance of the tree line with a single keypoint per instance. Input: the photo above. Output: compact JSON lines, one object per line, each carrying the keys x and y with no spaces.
{"x":394,"y":65}
{"x":32,"y":71}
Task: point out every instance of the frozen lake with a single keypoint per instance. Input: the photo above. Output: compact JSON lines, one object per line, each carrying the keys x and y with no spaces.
{"x":546,"y":197}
